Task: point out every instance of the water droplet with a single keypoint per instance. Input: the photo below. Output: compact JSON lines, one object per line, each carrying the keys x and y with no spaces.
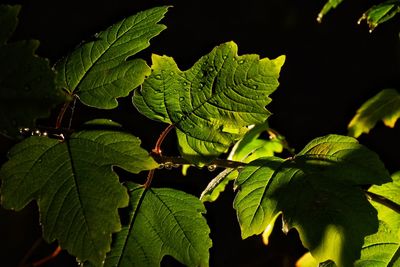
{"x":181,"y":98}
{"x":161,"y":166}
{"x":241,"y":61}
{"x":185,"y":83}
{"x":158,"y":77}
{"x":210,"y":69}
{"x":172,"y":73}
{"x":37,"y":133}
{"x":255,"y":86}
{"x":201,"y":85}
{"x":176,"y":165}
{"x":168,"y":165}
{"x":45,"y":134}
{"x":225,"y":57}
{"x":211,"y":168}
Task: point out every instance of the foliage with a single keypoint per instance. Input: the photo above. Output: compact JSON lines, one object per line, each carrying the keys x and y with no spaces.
{"x":81,"y":179}
{"x":374,"y":16}
{"x":27,"y":83}
{"x":384,"y":106}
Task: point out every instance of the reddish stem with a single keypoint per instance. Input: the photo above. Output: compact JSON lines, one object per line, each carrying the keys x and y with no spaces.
{"x":55,"y":253}
{"x":157,"y":151}
{"x":61,"y":114}
{"x":160,"y":140}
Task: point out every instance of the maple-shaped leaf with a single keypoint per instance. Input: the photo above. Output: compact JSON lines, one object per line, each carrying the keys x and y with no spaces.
{"x":27,"y":82}
{"x":73,"y":182}
{"x":99,"y":71}
{"x":318,"y":192}
{"x":213,"y":104}
{"x":162,"y":222}
{"x":384,"y":106}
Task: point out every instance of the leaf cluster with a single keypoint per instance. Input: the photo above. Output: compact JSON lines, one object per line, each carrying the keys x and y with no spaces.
{"x":335,"y":192}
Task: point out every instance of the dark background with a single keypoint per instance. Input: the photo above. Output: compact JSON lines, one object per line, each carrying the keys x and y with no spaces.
{"x":330,"y":70}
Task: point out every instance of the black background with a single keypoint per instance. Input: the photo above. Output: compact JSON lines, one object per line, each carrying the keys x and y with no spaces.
{"x":330,"y":70}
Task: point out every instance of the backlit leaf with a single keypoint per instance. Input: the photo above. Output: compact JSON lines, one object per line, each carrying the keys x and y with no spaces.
{"x":99,"y":70}
{"x":331,"y":4}
{"x":247,"y":149}
{"x":161,"y":222}
{"x":318,"y":193}
{"x":213,"y":104}
{"x":72,"y":180}
{"x":27,"y":86}
{"x":380,"y":13}
{"x":384,"y":106}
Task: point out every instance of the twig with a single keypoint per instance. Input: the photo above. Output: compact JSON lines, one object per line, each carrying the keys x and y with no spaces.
{"x":46,"y":259}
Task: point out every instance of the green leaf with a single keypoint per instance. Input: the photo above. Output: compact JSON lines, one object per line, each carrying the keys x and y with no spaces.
{"x":213,"y":103}
{"x":383,"y":247}
{"x":27,"y":86}
{"x":380,"y":13}
{"x":161,"y":222}
{"x":99,"y":71}
{"x":380,"y":249}
{"x":384,"y":106}
{"x":249,"y":148}
{"x":72,"y":180}
{"x":318,"y":192}
{"x":331,"y":4}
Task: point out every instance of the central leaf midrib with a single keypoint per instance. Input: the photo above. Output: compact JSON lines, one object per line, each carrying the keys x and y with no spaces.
{"x":74,"y":175}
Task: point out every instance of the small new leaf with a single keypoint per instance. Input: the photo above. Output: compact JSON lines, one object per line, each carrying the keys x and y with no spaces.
{"x":27,"y":83}
{"x":380,"y":13}
{"x":99,"y":71}
{"x":161,"y":222}
{"x":384,"y":106}
{"x":213,"y":103}
{"x":318,"y":193}
{"x":73,"y":182}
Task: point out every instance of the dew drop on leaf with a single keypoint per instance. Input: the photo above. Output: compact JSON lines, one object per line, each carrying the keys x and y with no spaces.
{"x":255,"y":86}
{"x":211,"y":167}
{"x":181,"y":98}
{"x":158,"y":77}
{"x":241,"y":61}
{"x":225,"y":57}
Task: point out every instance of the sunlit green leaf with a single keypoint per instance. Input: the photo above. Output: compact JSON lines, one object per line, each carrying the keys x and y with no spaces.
{"x":383,"y":248}
{"x":380,"y":13}
{"x":384,"y":106}
{"x":380,"y":249}
{"x":318,"y":193}
{"x":161,"y":222}
{"x":72,"y":180}
{"x":27,"y":86}
{"x":100,"y":70}
{"x":247,"y":149}
{"x":213,"y":103}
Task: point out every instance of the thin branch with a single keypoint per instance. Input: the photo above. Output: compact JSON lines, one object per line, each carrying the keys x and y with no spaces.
{"x":223,"y":163}
{"x":384,"y":201}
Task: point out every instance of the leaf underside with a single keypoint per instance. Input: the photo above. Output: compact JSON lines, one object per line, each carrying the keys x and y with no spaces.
{"x":27,"y":83}
{"x":213,"y":103}
{"x":100,"y":71}
{"x":78,"y":193}
{"x":384,"y":106}
{"x":161,"y":222}
{"x":317,"y":193}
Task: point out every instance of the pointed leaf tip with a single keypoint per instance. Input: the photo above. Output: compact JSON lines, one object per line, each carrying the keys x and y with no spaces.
{"x":106,"y":57}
